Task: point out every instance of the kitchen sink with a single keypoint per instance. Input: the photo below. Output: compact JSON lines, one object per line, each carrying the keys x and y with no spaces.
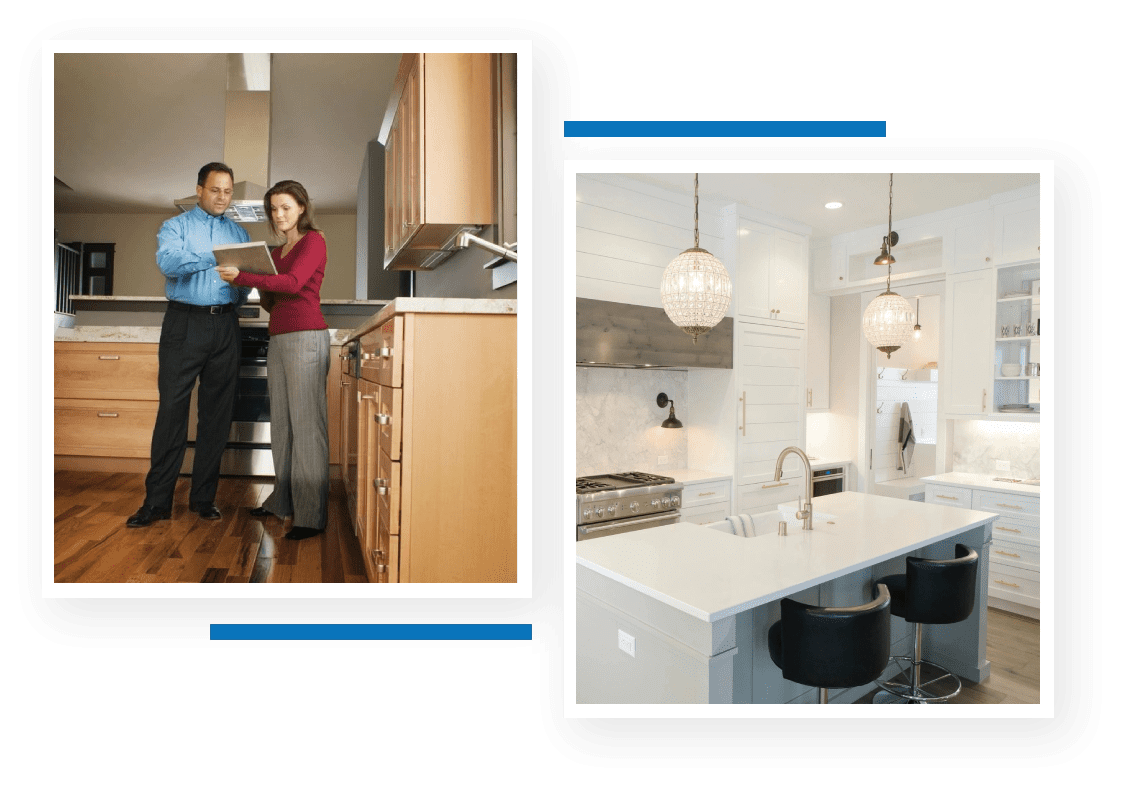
{"x":767,"y":522}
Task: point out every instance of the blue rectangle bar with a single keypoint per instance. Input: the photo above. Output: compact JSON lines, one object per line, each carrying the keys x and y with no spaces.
{"x":371,"y":631}
{"x":725,"y":128}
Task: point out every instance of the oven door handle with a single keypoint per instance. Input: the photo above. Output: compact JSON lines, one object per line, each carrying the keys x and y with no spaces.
{"x":668,"y":518}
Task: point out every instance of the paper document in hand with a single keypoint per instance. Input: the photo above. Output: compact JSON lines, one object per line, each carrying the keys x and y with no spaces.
{"x":246,"y":257}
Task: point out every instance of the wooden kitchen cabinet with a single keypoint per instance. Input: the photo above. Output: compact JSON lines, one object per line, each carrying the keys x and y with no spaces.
{"x":437,"y":464}
{"x":440,"y":159}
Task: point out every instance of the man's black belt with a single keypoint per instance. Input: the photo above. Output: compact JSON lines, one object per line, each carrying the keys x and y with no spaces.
{"x":189,"y":307}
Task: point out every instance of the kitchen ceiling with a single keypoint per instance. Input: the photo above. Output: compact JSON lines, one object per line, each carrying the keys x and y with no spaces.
{"x":802,"y":196}
{"x":132,"y":130}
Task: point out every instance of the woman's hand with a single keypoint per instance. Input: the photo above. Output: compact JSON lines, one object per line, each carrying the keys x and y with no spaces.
{"x":228,"y":272}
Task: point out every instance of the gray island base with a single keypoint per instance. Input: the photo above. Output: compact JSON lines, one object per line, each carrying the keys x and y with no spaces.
{"x":680,"y":613}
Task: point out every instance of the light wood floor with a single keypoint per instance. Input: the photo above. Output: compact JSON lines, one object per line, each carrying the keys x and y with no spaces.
{"x":1013,"y":651}
{"x":92,"y":543}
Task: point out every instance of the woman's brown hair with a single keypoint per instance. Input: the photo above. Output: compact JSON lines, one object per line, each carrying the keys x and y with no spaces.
{"x":297,"y":192}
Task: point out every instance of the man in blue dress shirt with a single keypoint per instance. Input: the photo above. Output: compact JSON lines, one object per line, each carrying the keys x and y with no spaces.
{"x":200,"y":340}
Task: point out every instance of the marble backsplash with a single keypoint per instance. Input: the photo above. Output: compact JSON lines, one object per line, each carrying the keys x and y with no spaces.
{"x":978,"y":445}
{"x":618,"y":421}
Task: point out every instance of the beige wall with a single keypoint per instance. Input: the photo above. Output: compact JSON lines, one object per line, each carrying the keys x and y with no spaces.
{"x":134,"y":266}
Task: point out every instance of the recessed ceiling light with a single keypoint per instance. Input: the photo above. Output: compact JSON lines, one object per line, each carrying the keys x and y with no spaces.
{"x":833,"y":205}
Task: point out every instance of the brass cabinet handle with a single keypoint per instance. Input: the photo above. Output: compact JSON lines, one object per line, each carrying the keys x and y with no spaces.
{"x":810,"y":394}
{"x":1009,"y":505}
{"x":346,"y":383}
{"x":706,"y":494}
{"x":743,"y":426}
{"x":1009,"y":529}
{"x":780,"y":483}
{"x":382,"y":418}
{"x":108,"y":357}
{"x":984,"y":393}
{"x":1002,"y":582}
{"x":946,"y":497}
{"x":366,"y":396}
{"x":1010,"y":554}
{"x":108,"y":415}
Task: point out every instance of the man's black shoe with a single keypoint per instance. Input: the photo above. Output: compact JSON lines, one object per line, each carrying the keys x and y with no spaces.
{"x":205,"y":510}
{"x":147,"y":515}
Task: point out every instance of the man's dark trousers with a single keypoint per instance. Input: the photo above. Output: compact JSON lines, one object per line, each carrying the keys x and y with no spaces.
{"x":194,"y":344}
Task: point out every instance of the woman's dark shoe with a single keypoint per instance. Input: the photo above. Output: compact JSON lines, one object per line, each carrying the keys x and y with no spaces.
{"x":147,"y":515}
{"x":300,"y":533}
{"x":205,"y":510}
{"x":261,"y":512}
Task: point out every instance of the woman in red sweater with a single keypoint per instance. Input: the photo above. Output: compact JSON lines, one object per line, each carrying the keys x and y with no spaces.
{"x":299,"y":356}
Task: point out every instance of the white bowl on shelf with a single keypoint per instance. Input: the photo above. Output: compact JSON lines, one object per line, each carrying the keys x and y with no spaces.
{"x":1010,"y":369}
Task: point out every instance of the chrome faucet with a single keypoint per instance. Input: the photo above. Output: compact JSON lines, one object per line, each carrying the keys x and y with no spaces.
{"x":806,"y":512}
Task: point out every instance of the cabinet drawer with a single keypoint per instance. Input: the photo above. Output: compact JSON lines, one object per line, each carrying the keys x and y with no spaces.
{"x":1015,"y":553}
{"x":754,"y":498}
{"x":115,"y":370}
{"x":949,"y":496}
{"x":381,"y":353}
{"x":1008,"y":528}
{"x":711,"y":492}
{"x":706,"y":514}
{"x":386,"y":488}
{"x":389,"y":422}
{"x":83,"y":427}
{"x":1004,"y":503}
{"x":1014,"y":583}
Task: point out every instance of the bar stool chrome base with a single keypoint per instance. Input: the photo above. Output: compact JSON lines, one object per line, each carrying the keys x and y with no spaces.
{"x":903,"y":689}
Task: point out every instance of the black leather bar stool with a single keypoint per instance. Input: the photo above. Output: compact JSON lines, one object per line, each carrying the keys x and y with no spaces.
{"x":832,"y":647}
{"x":932,"y":591}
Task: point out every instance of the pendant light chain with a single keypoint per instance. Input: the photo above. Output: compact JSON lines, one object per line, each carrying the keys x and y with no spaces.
{"x":696,"y":211}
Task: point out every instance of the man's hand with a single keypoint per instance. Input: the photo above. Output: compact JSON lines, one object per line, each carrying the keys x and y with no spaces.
{"x":268,"y":300}
{"x":228,"y":272}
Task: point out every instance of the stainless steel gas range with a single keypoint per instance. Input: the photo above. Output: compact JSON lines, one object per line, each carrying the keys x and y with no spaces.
{"x":621,"y":502}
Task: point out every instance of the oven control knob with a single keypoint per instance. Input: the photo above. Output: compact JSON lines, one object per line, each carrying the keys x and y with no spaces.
{"x":587,"y":513}
{"x":599,"y":513}
{"x":665,"y":502}
{"x":656,"y":503}
{"x":634,"y":508}
{"x":676,"y":501}
{"x":611,"y":509}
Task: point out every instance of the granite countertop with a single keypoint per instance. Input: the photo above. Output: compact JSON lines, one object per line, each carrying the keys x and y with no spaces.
{"x":711,"y":575}
{"x":136,"y":333}
{"x":433,"y":306}
{"x":976,"y":481}
{"x":160,"y":299}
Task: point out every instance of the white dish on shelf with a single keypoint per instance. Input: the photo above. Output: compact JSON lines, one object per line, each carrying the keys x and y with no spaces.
{"x":1010,"y":369}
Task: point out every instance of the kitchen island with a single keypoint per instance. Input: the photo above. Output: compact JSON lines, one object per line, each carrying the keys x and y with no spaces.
{"x":680,"y":613}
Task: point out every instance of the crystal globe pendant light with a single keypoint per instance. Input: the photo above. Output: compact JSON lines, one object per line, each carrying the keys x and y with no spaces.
{"x":888,"y":320}
{"x":696,"y":288}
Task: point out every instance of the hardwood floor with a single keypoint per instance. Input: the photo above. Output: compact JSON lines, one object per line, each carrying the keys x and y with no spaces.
{"x":1013,"y":650}
{"x":92,"y":543}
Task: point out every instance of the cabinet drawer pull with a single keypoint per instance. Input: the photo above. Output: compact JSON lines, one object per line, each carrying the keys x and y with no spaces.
{"x":780,"y":483}
{"x":946,"y":497}
{"x":1009,"y":554}
{"x":743,"y":426}
{"x":382,"y":486}
{"x":366,"y":396}
{"x":706,"y":494}
{"x":108,"y":357}
{"x":1009,"y":505}
{"x":383,"y":352}
{"x":381,"y":568}
{"x":984,"y":393}
{"x":108,"y":415}
{"x":382,"y":418}
{"x":1009,"y":529}
{"x":1002,"y":582}
{"x":346,"y":383}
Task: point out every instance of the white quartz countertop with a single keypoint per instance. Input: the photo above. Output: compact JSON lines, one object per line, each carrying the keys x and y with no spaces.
{"x":975,"y":481}
{"x":711,"y":575}
{"x":816,"y":462}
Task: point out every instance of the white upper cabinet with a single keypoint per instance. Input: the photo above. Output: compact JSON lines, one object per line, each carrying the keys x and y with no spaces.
{"x":1016,"y":230}
{"x":772,"y":273}
{"x":972,"y":247}
{"x":967,"y":382}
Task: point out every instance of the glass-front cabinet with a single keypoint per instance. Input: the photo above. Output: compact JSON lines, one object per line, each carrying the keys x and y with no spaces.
{"x":1016,"y":366}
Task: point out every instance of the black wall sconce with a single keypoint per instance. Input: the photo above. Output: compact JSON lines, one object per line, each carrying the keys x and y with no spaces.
{"x":671,"y":422}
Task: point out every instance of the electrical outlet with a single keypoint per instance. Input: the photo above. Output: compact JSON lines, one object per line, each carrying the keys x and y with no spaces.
{"x":663,"y":460}
{"x":1003,"y":465}
{"x":626,"y":643}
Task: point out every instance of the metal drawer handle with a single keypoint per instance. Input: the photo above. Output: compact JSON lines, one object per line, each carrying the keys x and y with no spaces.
{"x":780,"y":483}
{"x":381,"y":418}
{"x":381,"y":568}
{"x":346,"y":383}
{"x":382,"y":486}
{"x":108,"y":357}
{"x":108,"y":415}
{"x":368,"y":356}
{"x":1009,"y":529}
{"x":1009,"y":554}
{"x":1002,"y":582}
{"x":706,"y":494}
{"x":367,"y":396}
{"x":946,"y":497}
{"x":384,"y":352}
{"x":1009,"y":505}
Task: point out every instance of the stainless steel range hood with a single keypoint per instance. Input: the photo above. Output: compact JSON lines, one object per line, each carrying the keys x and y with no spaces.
{"x":623,"y":336}
{"x":246,"y":151}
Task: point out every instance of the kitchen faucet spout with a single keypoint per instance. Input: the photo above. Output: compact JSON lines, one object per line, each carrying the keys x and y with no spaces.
{"x":806,"y":513}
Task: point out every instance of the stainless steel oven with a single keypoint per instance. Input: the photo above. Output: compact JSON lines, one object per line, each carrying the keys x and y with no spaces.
{"x":828,"y":481}
{"x":614,"y":503}
{"x":249,"y":450}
